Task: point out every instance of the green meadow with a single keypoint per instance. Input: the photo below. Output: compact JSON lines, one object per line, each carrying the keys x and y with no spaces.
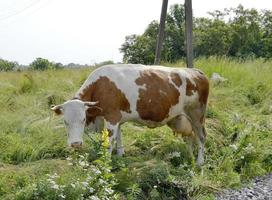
{"x":156,"y":165}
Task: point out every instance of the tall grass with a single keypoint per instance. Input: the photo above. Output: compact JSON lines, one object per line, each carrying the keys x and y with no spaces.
{"x":156,"y":165}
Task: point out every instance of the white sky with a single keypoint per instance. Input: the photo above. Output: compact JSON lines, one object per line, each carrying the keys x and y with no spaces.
{"x":84,"y":31}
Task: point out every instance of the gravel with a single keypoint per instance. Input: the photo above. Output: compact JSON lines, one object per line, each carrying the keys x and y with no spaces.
{"x":259,"y":189}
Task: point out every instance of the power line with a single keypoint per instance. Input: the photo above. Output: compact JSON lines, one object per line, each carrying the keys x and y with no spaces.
{"x":20,"y":11}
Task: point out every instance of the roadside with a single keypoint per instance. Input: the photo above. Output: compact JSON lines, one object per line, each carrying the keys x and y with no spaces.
{"x":259,"y":189}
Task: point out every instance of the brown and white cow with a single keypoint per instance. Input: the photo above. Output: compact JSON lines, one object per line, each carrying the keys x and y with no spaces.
{"x":151,"y":95}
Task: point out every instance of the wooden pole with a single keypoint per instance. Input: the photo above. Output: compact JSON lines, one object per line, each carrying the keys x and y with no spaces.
{"x":161,"y":32}
{"x":189,"y":33}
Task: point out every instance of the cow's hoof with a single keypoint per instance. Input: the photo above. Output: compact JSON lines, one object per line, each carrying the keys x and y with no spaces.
{"x":120,"y":151}
{"x":199,"y":161}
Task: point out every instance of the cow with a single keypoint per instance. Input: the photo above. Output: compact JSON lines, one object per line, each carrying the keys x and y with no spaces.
{"x":151,"y":95}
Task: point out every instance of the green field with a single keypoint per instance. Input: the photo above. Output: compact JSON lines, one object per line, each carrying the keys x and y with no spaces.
{"x":156,"y":164}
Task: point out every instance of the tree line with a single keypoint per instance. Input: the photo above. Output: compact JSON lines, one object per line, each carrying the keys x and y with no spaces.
{"x":43,"y":64}
{"x":37,"y":64}
{"x":235,"y":32}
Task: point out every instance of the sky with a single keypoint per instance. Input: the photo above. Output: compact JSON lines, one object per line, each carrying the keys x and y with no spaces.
{"x":85,"y":31}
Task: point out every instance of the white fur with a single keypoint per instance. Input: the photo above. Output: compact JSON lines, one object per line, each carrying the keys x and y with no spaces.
{"x":124,"y":76}
{"x":74,"y":112}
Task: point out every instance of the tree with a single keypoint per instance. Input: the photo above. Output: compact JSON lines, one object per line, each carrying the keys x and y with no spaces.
{"x":7,"y":65}
{"x":141,"y":48}
{"x":57,"y":65}
{"x":40,"y":64}
{"x":267,"y":33}
{"x":235,"y":32}
{"x":212,"y":37}
{"x":43,"y":64}
{"x":247,"y":33}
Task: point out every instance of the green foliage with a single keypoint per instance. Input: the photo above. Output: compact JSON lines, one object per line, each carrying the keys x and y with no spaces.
{"x":212,"y":37}
{"x":91,"y":181}
{"x":235,"y":32}
{"x":7,"y":65}
{"x":256,"y":93}
{"x":28,"y":84}
{"x":40,"y":64}
{"x":43,"y":64}
{"x":141,"y":48}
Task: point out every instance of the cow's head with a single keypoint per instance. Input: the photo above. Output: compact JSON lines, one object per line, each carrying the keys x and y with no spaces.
{"x":75,"y":113}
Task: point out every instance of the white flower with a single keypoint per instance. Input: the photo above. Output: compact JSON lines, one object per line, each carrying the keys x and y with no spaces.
{"x":94,"y":198}
{"x":51,"y":181}
{"x":174,"y":154}
{"x":81,"y":156}
{"x":234,"y":147}
{"x":191,"y":173}
{"x":85,"y":184}
{"x":96,"y":171}
{"x":89,"y":178}
{"x":55,"y":186}
{"x":109,"y":190}
{"x":242,"y":157}
{"x":68,"y":158}
{"x":249,"y":147}
{"x":83,"y":163}
{"x":73,"y":185}
{"x":101,"y":181}
{"x":62,"y":196}
{"x":91,"y":190}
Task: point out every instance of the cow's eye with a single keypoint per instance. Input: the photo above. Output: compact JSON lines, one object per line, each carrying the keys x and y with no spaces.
{"x":84,"y":120}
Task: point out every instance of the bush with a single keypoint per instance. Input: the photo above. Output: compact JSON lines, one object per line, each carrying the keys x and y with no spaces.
{"x":44,"y":64}
{"x":255,"y":93}
{"x":28,"y":84}
{"x":7,"y":65}
{"x":92,"y":181}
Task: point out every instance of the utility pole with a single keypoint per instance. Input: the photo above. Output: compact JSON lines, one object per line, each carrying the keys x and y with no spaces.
{"x":189,"y":33}
{"x":161,"y":32}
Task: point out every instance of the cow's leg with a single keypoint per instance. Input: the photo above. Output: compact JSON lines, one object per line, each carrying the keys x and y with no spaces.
{"x":99,"y":124}
{"x":113,"y":130}
{"x":201,"y":145}
{"x":190,"y":143}
{"x":119,"y":145}
{"x":197,"y":117}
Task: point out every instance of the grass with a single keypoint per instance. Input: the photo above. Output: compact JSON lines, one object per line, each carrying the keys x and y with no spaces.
{"x":156,"y":165}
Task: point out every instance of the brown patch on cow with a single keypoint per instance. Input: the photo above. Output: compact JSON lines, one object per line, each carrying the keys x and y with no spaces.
{"x":93,"y":111}
{"x":190,"y":87}
{"x":58,"y":111}
{"x":111,"y":99}
{"x":201,"y":86}
{"x":176,"y":79}
{"x":156,"y":99}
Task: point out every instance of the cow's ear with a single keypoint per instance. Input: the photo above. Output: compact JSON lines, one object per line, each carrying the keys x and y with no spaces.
{"x":93,"y":111}
{"x":57,"y":109}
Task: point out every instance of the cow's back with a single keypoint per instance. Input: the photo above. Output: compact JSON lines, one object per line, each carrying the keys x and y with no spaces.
{"x":149,"y":94}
